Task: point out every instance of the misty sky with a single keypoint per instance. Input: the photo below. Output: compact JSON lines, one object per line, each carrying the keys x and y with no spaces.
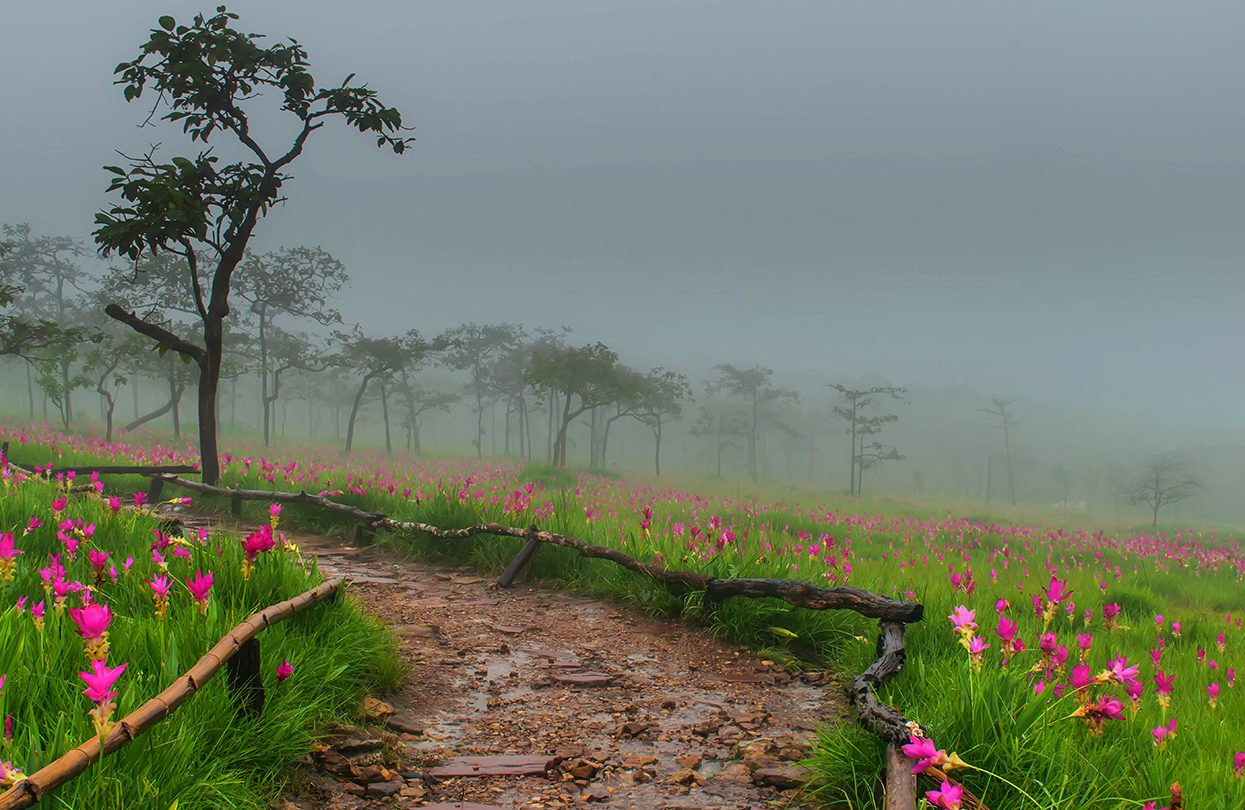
{"x":1043,"y":200}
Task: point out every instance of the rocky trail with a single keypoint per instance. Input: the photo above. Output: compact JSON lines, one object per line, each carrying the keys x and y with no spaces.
{"x":533,"y":698}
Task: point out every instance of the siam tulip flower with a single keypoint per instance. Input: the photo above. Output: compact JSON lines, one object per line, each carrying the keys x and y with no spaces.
{"x":284,"y":670}
{"x":140,"y":499}
{"x":963,"y":620}
{"x":1163,"y":733}
{"x":1039,"y":687}
{"x":99,"y":682}
{"x":1221,"y":642}
{"x":8,"y":558}
{"x":99,"y":565}
{"x":1175,"y":629}
{"x":58,"y":506}
{"x":160,"y":588}
{"x":9,"y":775}
{"x":1109,"y":614}
{"x":1083,"y":642}
{"x":1163,"y":689}
{"x":31,"y":525}
{"x":93,"y":620}
{"x":200,"y":586}
{"x":928,"y":755}
{"x":1201,"y":655}
{"x":1006,"y":631}
{"x":976,"y":649}
{"x":256,"y":543}
{"x":1231,"y":677}
{"x":36,"y":615}
{"x":114,"y":504}
{"x":1096,"y":713}
{"x":1118,"y":671}
{"x":1212,"y":694}
{"x":947,"y":797}
{"x":1001,"y":605}
{"x":1238,"y":763}
{"x":1080,"y":681}
{"x":1158,"y":621}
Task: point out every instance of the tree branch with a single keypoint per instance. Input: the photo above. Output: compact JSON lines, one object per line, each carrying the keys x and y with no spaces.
{"x":157,"y":333}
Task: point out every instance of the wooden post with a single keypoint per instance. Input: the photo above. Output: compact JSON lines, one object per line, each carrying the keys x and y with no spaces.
{"x":900,"y":782}
{"x":155,"y":488}
{"x":364,"y":534}
{"x":524,"y":557}
{"x":235,"y":505}
{"x":245,"y":680}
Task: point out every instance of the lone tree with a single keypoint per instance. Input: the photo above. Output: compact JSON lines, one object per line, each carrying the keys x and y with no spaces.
{"x":856,"y":410}
{"x":207,"y":77}
{"x":1163,"y":480}
{"x":1004,"y":420}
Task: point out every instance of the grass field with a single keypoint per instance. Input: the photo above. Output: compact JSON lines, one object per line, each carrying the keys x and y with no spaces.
{"x":1069,"y":667}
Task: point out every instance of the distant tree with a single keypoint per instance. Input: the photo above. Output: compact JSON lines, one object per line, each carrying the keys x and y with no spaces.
{"x":857,"y":409}
{"x":1162,"y":480}
{"x":474,"y":348}
{"x":630,"y":390}
{"x":584,"y":378}
{"x":1063,"y":477}
{"x":755,"y":388}
{"x":205,"y":76}
{"x":420,"y":401}
{"x":379,"y":359}
{"x":300,"y":282}
{"x":48,"y":272}
{"x":723,"y":425}
{"x":661,"y":399}
{"x":1003,"y":419}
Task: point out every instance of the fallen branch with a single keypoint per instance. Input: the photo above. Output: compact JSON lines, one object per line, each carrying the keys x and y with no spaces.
{"x":78,"y":760}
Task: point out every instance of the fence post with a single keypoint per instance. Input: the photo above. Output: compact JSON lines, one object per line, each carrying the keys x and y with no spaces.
{"x":364,"y":534}
{"x":155,"y":488}
{"x":524,"y":556}
{"x":245,"y":680}
{"x":235,"y":505}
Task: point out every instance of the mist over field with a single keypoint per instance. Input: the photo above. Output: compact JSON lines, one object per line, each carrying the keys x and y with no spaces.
{"x":970,"y":201}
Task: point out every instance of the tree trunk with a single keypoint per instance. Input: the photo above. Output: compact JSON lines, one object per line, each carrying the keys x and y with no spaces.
{"x":384,"y":412}
{"x":1011,"y":481}
{"x":479,"y":410}
{"x":134,"y":392}
{"x":1155,"y":521}
{"x":263,"y":372}
{"x":354,"y":412}
{"x":559,"y":445}
{"x":657,"y":448}
{"x":549,"y":432}
{"x":209,"y":383}
{"x":30,"y":388}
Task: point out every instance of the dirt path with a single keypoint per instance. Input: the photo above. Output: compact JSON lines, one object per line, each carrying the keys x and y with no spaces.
{"x":578,"y":702}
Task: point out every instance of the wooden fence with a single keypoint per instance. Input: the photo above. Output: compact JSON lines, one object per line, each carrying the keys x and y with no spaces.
{"x":892,"y":615}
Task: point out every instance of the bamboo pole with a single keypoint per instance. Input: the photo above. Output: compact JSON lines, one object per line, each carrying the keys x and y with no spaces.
{"x":76,"y":761}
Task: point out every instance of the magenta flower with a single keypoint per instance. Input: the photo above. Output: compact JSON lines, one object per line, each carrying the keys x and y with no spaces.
{"x":926,"y":754}
{"x":285,"y":670}
{"x":140,"y":498}
{"x":1238,"y":763}
{"x":1057,"y":591}
{"x":1163,"y":733}
{"x":947,"y":797}
{"x":99,"y":681}
{"x":1212,"y":693}
{"x":8,"y":551}
{"x":92,"y":620}
{"x":1081,"y":678}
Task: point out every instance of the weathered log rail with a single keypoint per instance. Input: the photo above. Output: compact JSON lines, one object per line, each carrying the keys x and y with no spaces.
{"x":893,"y":615}
{"x":241,"y":641}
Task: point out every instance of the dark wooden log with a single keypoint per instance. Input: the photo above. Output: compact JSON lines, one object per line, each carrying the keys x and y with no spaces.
{"x":235,"y":505}
{"x":77,"y":760}
{"x":274,"y":496}
{"x":871,"y":712}
{"x":524,"y":557}
{"x":364,"y":534}
{"x":155,"y":488}
{"x":900,"y":782}
{"x":245,"y":680}
{"x":807,"y":595}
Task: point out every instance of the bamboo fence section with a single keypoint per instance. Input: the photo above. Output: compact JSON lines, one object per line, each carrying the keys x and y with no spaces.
{"x":78,"y":760}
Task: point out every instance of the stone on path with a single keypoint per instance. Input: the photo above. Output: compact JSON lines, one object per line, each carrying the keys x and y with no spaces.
{"x":499,"y":765}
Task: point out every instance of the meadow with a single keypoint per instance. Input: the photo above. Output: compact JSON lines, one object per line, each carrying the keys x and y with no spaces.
{"x":1057,"y":667}
{"x":102,"y":610}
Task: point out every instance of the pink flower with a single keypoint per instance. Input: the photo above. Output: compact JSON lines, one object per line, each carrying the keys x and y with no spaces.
{"x":58,"y":505}
{"x":99,"y":681}
{"x":1057,"y":591}
{"x":140,"y":498}
{"x":1238,"y":763}
{"x":285,"y":670}
{"x":963,"y":619}
{"x":98,"y":559}
{"x":92,"y":620}
{"x":1162,"y":733}
{"x":200,"y":586}
{"x":8,"y":552}
{"x":926,"y":754}
{"x":258,"y":542}
{"x":114,"y":504}
{"x":1212,"y":693}
{"x":161,"y":586}
{"x":947,"y":797}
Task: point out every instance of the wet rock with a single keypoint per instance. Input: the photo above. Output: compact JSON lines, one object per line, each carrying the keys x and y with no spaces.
{"x":376,"y":710}
{"x":406,"y":724}
{"x":683,"y":776}
{"x":736,"y":773}
{"x":582,"y":768}
{"x":596,"y":793}
{"x":381,"y":790}
{"x":503,"y":765}
{"x":633,"y":729}
{"x":690,"y":761}
{"x":783,"y":777}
